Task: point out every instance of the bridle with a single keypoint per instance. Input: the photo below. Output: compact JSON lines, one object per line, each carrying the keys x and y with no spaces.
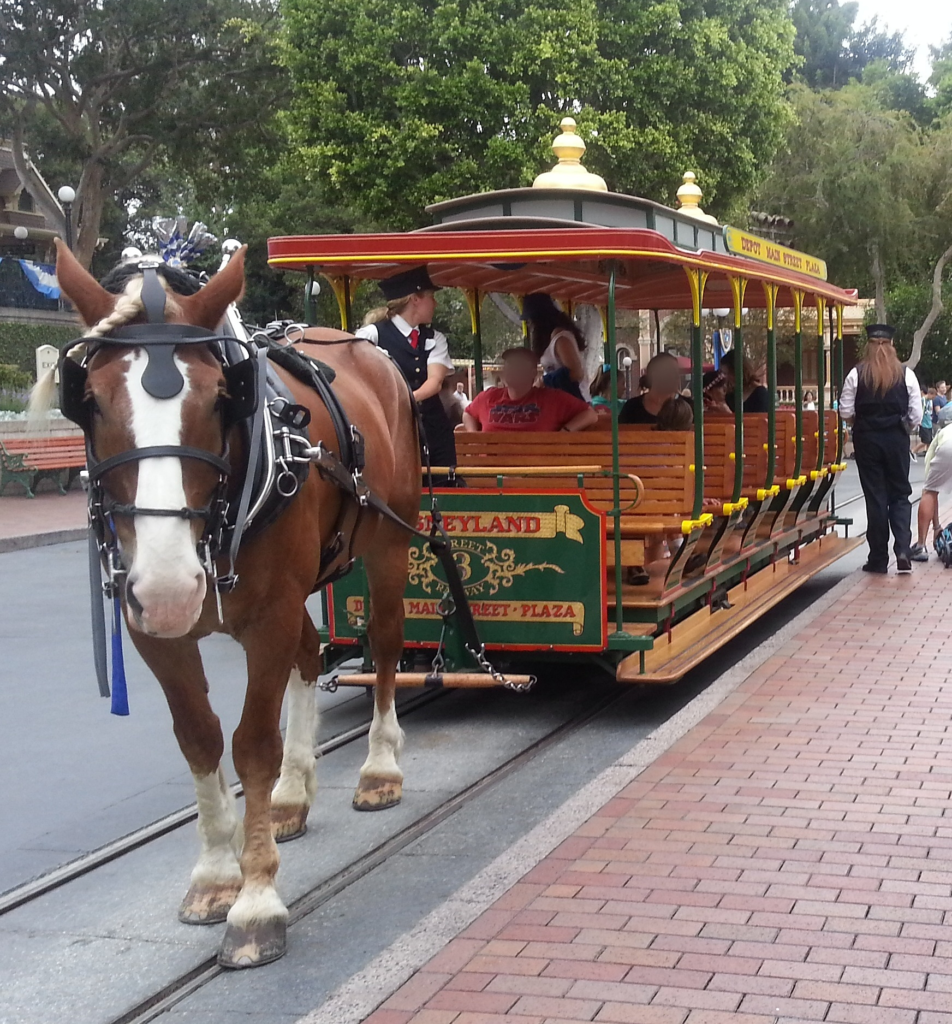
{"x":161,"y":379}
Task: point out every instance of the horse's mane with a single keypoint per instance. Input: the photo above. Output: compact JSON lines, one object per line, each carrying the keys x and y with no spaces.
{"x":125,"y":281}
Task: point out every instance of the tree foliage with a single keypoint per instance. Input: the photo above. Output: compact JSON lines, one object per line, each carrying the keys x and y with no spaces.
{"x":109,"y":89}
{"x":833,"y":51}
{"x":400,"y":103}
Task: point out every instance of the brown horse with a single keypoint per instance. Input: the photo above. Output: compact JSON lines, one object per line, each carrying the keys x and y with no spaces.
{"x":169,"y":605}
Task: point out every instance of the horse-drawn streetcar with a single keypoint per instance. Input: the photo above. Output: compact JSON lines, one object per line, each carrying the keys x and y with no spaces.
{"x":548,"y":526}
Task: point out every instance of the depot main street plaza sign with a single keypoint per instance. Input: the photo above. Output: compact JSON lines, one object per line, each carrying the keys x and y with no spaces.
{"x":532,"y":565}
{"x":742,"y":243}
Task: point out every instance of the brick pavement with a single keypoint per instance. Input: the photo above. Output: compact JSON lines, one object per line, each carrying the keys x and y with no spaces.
{"x":788,"y":861}
{"x":48,"y":513}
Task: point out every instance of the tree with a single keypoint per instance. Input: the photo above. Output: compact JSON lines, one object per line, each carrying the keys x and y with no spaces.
{"x":113,"y":87}
{"x":400,"y":103}
{"x":870,"y":192}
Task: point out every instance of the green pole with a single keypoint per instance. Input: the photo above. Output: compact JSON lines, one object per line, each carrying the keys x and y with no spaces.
{"x":798,"y":391}
{"x":348,"y":307}
{"x":738,"y":408}
{"x":476,"y":310}
{"x":616,"y":462}
{"x":697,"y":391}
{"x":820,"y":387}
{"x":772,"y":408}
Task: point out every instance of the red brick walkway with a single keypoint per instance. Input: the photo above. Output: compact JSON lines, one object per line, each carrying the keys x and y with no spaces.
{"x":48,"y":512}
{"x":790,"y":859}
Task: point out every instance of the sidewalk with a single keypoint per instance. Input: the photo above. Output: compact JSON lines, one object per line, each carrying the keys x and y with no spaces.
{"x":49,"y":518}
{"x":788,"y":860}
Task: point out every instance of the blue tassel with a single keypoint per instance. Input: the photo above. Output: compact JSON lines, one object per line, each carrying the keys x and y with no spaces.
{"x":120,"y":697}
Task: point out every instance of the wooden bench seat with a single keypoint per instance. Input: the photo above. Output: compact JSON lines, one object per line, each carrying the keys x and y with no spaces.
{"x":31,"y":459}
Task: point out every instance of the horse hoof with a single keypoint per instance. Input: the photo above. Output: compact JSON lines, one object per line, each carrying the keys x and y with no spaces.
{"x":288,"y":823}
{"x":208,"y":904}
{"x":377,"y":794}
{"x":254,"y":945}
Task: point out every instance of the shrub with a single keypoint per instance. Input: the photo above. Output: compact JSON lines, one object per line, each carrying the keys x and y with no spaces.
{"x":19,"y":342}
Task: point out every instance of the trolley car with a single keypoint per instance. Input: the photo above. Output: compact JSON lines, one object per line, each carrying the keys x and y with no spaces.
{"x":547,"y":524}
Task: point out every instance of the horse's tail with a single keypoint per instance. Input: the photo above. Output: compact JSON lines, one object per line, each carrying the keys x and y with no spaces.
{"x":42,"y":399}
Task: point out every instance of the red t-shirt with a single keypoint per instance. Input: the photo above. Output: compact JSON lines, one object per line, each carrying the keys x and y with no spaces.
{"x":541,"y":409}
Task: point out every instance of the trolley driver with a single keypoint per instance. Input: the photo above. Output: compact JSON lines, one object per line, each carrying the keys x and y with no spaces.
{"x":402,"y":328}
{"x":881,"y":401}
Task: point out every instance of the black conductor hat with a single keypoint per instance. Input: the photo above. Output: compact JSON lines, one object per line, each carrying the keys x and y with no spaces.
{"x":881,"y":332}
{"x":407,"y":282}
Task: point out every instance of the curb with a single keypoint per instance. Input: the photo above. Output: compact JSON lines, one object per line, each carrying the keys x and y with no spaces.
{"x":361,"y":994}
{"x":41,"y":540}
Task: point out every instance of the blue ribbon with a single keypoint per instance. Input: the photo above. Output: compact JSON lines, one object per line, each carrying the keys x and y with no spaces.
{"x":120,"y":696}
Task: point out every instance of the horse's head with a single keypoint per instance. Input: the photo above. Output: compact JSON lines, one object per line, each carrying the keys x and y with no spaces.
{"x":132,"y":397}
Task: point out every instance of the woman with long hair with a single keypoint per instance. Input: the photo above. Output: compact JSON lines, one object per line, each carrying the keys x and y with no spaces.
{"x":756,"y":395}
{"x":882,"y":403}
{"x":558,"y":344}
{"x":402,"y":328}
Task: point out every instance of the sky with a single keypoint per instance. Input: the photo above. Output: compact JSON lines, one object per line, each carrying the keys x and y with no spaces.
{"x":924,"y":22}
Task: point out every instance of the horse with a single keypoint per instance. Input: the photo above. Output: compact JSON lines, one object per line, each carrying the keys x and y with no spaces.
{"x":169,"y":605}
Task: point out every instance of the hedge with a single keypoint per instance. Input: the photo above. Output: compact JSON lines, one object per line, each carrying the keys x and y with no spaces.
{"x":19,"y":342}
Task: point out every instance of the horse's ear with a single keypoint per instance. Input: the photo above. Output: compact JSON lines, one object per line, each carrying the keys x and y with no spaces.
{"x":207,"y":307}
{"x":91,"y":300}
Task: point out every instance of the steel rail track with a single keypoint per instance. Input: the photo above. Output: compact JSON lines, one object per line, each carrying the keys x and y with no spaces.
{"x":190,"y":982}
{"x":126,"y":844}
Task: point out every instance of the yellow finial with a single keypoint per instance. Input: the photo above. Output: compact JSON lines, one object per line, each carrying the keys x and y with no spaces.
{"x":689,"y":199}
{"x":569,"y":172}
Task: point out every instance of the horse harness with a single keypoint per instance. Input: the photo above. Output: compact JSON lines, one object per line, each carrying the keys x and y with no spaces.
{"x":279,"y":449}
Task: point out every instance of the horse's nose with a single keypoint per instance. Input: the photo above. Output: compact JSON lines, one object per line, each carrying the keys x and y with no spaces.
{"x":132,"y":601}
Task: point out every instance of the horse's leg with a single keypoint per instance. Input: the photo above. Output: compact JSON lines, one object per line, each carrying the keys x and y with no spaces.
{"x":381,"y":780}
{"x":216,"y":877}
{"x":297,"y":784}
{"x":257,"y":923}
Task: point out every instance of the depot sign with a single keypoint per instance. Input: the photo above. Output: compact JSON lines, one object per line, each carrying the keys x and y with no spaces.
{"x":742,"y":243}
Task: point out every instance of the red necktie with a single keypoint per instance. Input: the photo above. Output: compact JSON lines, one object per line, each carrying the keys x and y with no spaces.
{"x":414,"y":337}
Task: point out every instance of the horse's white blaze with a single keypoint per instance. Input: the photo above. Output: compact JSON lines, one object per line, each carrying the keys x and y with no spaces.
{"x":257,"y":903}
{"x":166,"y":575}
{"x":219,"y":830}
{"x":297,"y":784}
{"x":386,"y":745}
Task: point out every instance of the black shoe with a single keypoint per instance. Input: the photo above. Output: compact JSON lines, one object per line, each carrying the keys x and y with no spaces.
{"x":875,"y":568}
{"x":918,"y":553}
{"x":903,"y":563}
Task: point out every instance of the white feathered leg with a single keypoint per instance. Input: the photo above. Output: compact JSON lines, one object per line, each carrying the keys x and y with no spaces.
{"x":296,"y":787}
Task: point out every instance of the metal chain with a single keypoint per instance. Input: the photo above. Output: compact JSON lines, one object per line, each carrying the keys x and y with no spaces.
{"x":497,"y":676}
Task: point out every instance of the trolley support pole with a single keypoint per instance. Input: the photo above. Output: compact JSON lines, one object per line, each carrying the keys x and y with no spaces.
{"x":696,"y":281}
{"x":770,"y":292}
{"x":474,"y":301}
{"x":798,"y":378}
{"x":820,"y":381}
{"x":738,"y":289}
{"x":836,"y":374}
{"x":616,"y":462}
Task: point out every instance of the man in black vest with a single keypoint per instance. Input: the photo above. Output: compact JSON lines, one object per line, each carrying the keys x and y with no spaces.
{"x":881,"y":400}
{"x":402,"y":328}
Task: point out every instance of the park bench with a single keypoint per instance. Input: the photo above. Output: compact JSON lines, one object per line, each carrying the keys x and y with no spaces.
{"x":29,"y":460}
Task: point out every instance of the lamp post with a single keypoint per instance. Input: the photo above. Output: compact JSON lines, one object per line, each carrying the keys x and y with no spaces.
{"x":20,"y":233}
{"x":626,"y":365}
{"x":67,"y":196}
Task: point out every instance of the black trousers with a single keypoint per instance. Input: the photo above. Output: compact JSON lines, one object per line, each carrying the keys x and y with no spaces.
{"x":439,"y":436}
{"x":882,"y":458}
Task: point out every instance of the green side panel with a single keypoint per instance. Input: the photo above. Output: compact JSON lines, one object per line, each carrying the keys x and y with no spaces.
{"x":533,"y":565}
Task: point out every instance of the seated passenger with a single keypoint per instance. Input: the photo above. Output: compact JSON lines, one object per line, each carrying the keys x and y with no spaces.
{"x":756,"y":396}
{"x":663,"y":378}
{"x":715,"y":394}
{"x":519,"y":405}
{"x":675,"y":414}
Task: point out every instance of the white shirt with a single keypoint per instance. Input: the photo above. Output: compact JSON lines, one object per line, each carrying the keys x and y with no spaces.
{"x":550,"y":360}
{"x":847,"y":405}
{"x":437,"y":348}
